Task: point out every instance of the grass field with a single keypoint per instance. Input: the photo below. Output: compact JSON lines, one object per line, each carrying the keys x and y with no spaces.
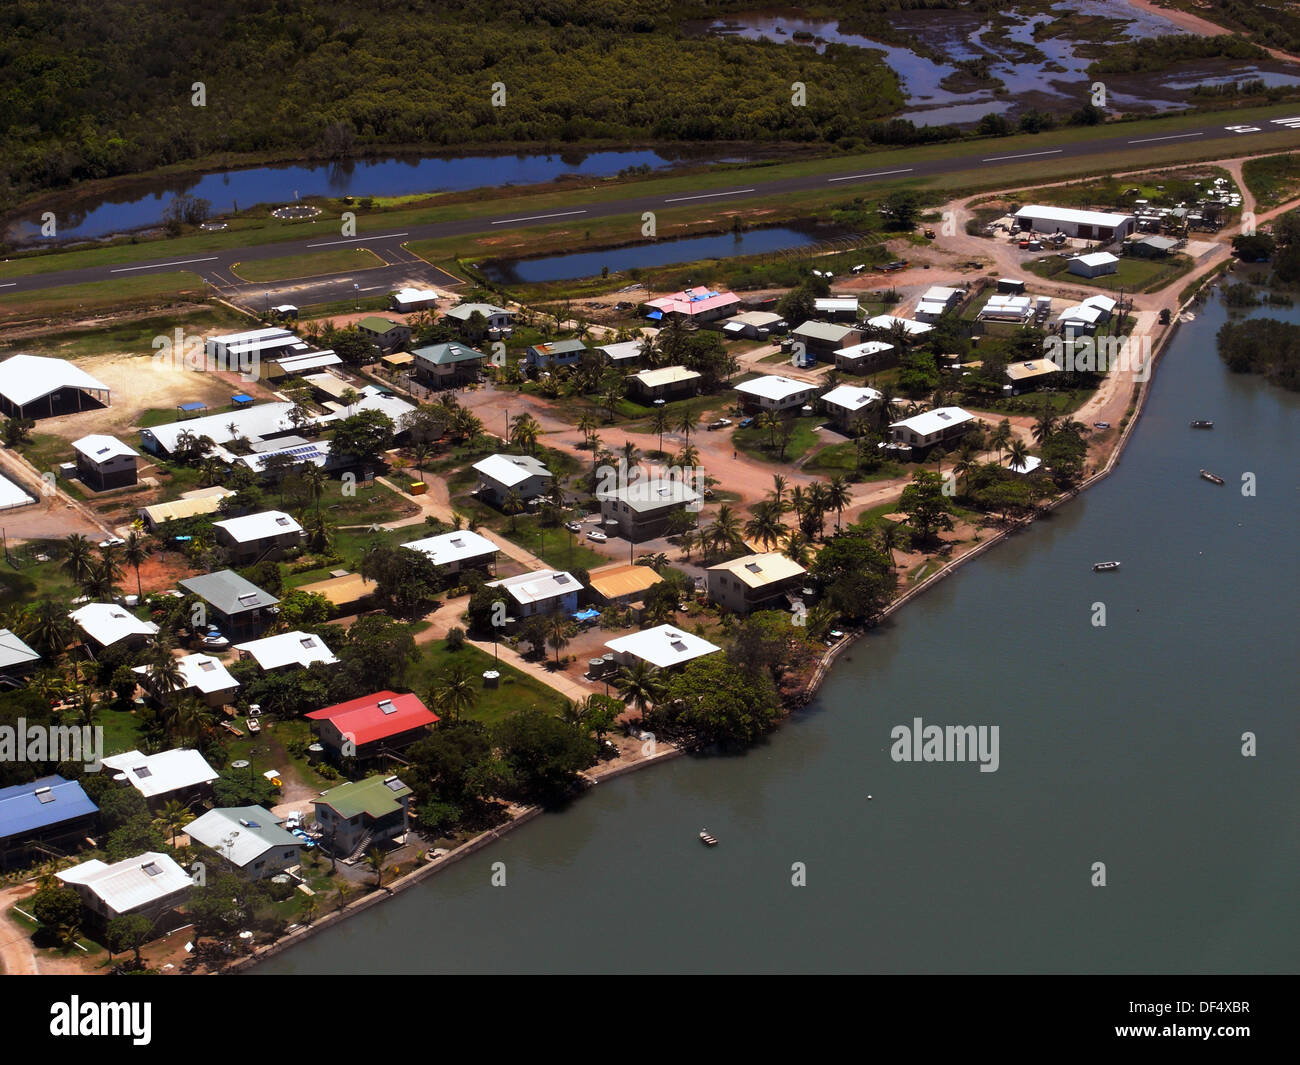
{"x":135,"y":334}
{"x":117,"y":295}
{"x":1132,"y":275}
{"x":754,"y":442}
{"x":291,"y":267}
{"x":1272,"y":179}
{"x":517,"y":690}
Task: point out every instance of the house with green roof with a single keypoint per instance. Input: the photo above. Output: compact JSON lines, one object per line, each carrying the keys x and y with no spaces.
{"x":362,"y":813}
{"x":384,"y":333}
{"x":447,"y":365}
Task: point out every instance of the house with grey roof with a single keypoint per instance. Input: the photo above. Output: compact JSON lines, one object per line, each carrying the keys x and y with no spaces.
{"x":235,"y":605}
{"x":555,"y":353}
{"x":447,"y":365}
{"x":642,"y":508}
{"x":249,"y":839}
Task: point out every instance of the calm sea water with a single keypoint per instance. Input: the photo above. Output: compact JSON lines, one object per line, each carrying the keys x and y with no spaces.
{"x":1119,"y":745}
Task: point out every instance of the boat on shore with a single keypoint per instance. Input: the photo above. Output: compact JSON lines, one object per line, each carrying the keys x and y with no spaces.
{"x":1102,"y":567}
{"x":707,"y":839}
{"x":1208,"y":476}
{"x":1200,"y":424}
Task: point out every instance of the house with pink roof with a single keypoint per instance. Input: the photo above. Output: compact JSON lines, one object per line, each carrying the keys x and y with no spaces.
{"x":697,"y":304}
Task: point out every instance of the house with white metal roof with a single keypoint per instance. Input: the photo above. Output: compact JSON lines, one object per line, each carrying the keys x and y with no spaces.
{"x":770,"y":392}
{"x":849,"y":405}
{"x":837,"y":307}
{"x":104,"y":462}
{"x":1005,"y":307}
{"x":754,"y":325}
{"x":499,"y":475}
{"x":1101,"y":303}
{"x":497,"y":317}
{"x":179,"y":774}
{"x":270,"y":534}
{"x":109,"y":625}
{"x":1080,"y":319}
{"x":456,"y":551}
{"x":293,"y":365}
{"x":250,"y":839}
{"x":938,"y":426}
{"x":754,"y":582}
{"x":287,"y":650}
{"x":664,"y":647}
{"x":17,"y":660}
{"x":202,"y":674}
{"x":889,"y":322}
{"x":32,"y":386}
{"x":150,"y":884}
{"x":406,"y":300}
{"x":1097,"y":264}
{"x":624,"y":353}
{"x":257,"y":422}
{"x":642,"y":508}
{"x":542,"y":592}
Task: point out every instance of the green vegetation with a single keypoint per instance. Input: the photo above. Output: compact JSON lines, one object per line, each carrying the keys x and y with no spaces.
{"x":309,"y":264}
{"x":118,"y":295}
{"x":1131,"y":274}
{"x":1263,"y":346}
{"x":1272,"y":179}
{"x":517,"y":691}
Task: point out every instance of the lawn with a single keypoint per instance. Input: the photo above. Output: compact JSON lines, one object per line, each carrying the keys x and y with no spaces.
{"x":288,"y":267}
{"x":1132,"y":275}
{"x":754,"y":442}
{"x":555,"y":545}
{"x":132,"y":335}
{"x":843,"y":459}
{"x":1272,"y":179}
{"x":517,"y":690}
{"x":116,"y":295}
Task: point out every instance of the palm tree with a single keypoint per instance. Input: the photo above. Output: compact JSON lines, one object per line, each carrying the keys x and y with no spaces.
{"x":966,"y":463}
{"x":688,"y":457}
{"x":838,"y":497}
{"x":777,"y":495}
{"x":687,"y":541}
{"x":77,"y":557}
{"x":165,"y":674}
{"x":610,"y":398}
{"x":1017,"y":453}
{"x":375,"y":859}
{"x":101,"y":581}
{"x":765,"y":525}
{"x":587,"y":426}
{"x":891,"y":536}
{"x":524,"y":432}
{"x":724,"y":534}
{"x":687,"y":423}
{"x":630,"y":453}
{"x":1045,"y":426}
{"x":818,"y":505}
{"x":557,"y":634}
{"x":795,"y":547}
{"x":512,"y":505}
{"x":1001,"y":436}
{"x":134,"y":552}
{"x":49,"y":628}
{"x":315,"y":481}
{"x":640,"y":684}
{"x":455,"y":693}
{"x":173,"y":817}
{"x":661,"y":422}
{"x":798,"y":503}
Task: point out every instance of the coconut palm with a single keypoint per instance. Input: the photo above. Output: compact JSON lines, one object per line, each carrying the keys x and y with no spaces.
{"x":891,"y":536}
{"x":725,"y":532}
{"x":134,"y":552}
{"x":765,"y":525}
{"x":687,"y":423}
{"x":375,"y":859}
{"x":525,"y":431}
{"x":639,"y":684}
{"x":818,"y":505}
{"x":315,"y":481}
{"x":455,"y":692}
{"x":48,"y":628}
{"x":513,"y":504}
{"x":1017,"y":453}
{"x":838,"y":497}
{"x":587,"y":426}
{"x":557,"y":634}
{"x":795,"y":547}
{"x":630,"y":453}
{"x":77,"y":557}
{"x":661,"y":422}
{"x":173,"y":817}
{"x":967,"y":460}
{"x":688,"y":541}
{"x":688,"y":457}
{"x":610,"y":398}
{"x":165,"y":674}
{"x":1045,"y":426}
{"x":779,"y":488}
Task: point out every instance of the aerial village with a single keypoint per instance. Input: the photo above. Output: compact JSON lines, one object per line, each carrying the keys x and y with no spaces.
{"x":326,"y":597}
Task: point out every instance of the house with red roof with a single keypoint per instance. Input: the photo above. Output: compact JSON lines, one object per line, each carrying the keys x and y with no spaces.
{"x":366,"y":727}
{"x":697,"y":304}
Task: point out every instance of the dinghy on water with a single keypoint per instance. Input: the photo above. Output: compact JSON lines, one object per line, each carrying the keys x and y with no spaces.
{"x":1102,"y":567}
{"x":1207,"y":475}
{"x":1199,"y":424}
{"x":707,"y":840}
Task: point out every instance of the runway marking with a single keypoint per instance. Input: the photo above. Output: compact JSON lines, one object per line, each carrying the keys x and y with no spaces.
{"x":536,"y":217}
{"x":159,"y":266}
{"x":1171,"y":137}
{"x":707,"y":195}
{"x":9,"y":284}
{"x":353,"y":240}
{"x":1023,"y":155}
{"x":878,"y":173}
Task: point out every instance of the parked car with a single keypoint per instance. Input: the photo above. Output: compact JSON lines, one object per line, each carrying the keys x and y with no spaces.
{"x":745,"y":423}
{"x":1101,"y":425}
{"x":112,"y":541}
{"x":214,"y":639}
{"x":597,"y":535}
{"x":721,"y":423}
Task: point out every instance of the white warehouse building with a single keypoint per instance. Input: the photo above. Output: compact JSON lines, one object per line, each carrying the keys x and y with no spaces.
{"x":1086,"y":225}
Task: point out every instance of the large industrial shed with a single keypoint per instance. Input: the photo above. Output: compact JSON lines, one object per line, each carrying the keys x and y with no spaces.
{"x":32,"y":386}
{"x":1086,"y":225}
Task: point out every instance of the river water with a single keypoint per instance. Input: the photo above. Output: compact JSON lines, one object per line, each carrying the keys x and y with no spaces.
{"x":1118,"y":744}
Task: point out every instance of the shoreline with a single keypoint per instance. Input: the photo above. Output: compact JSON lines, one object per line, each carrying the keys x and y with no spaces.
{"x":822,"y":669}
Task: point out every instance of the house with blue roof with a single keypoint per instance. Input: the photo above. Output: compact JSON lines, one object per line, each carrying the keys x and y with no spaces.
{"x":49,"y":814}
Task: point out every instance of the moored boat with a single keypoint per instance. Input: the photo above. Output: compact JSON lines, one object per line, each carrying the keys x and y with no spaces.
{"x":1207,"y":475}
{"x":1102,"y":567}
{"x":708,"y":840}
{"x":1199,"y":424}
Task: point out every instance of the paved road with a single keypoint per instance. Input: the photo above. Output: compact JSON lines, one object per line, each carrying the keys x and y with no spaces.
{"x":388,"y":243}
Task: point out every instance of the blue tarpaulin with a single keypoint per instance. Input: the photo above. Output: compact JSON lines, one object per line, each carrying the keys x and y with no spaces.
{"x":656,"y":315}
{"x":243,"y":397}
{"x":193,"y":406}
{"x":586,"y":615}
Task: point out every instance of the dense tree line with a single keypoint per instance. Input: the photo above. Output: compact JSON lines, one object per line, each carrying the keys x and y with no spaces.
{"x":98,"y":89}
{"x":1264,"y":346}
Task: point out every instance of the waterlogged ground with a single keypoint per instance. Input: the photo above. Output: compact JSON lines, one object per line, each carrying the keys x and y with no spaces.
{"x":1039,"y":60}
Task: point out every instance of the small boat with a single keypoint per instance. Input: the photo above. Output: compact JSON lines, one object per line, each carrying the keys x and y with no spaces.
{"x":708,"y":840}
{"x":1198,"y":424}
{"x":1207,"y":475}
{"x":254,"y":725}
{"x":1102,"y":567}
